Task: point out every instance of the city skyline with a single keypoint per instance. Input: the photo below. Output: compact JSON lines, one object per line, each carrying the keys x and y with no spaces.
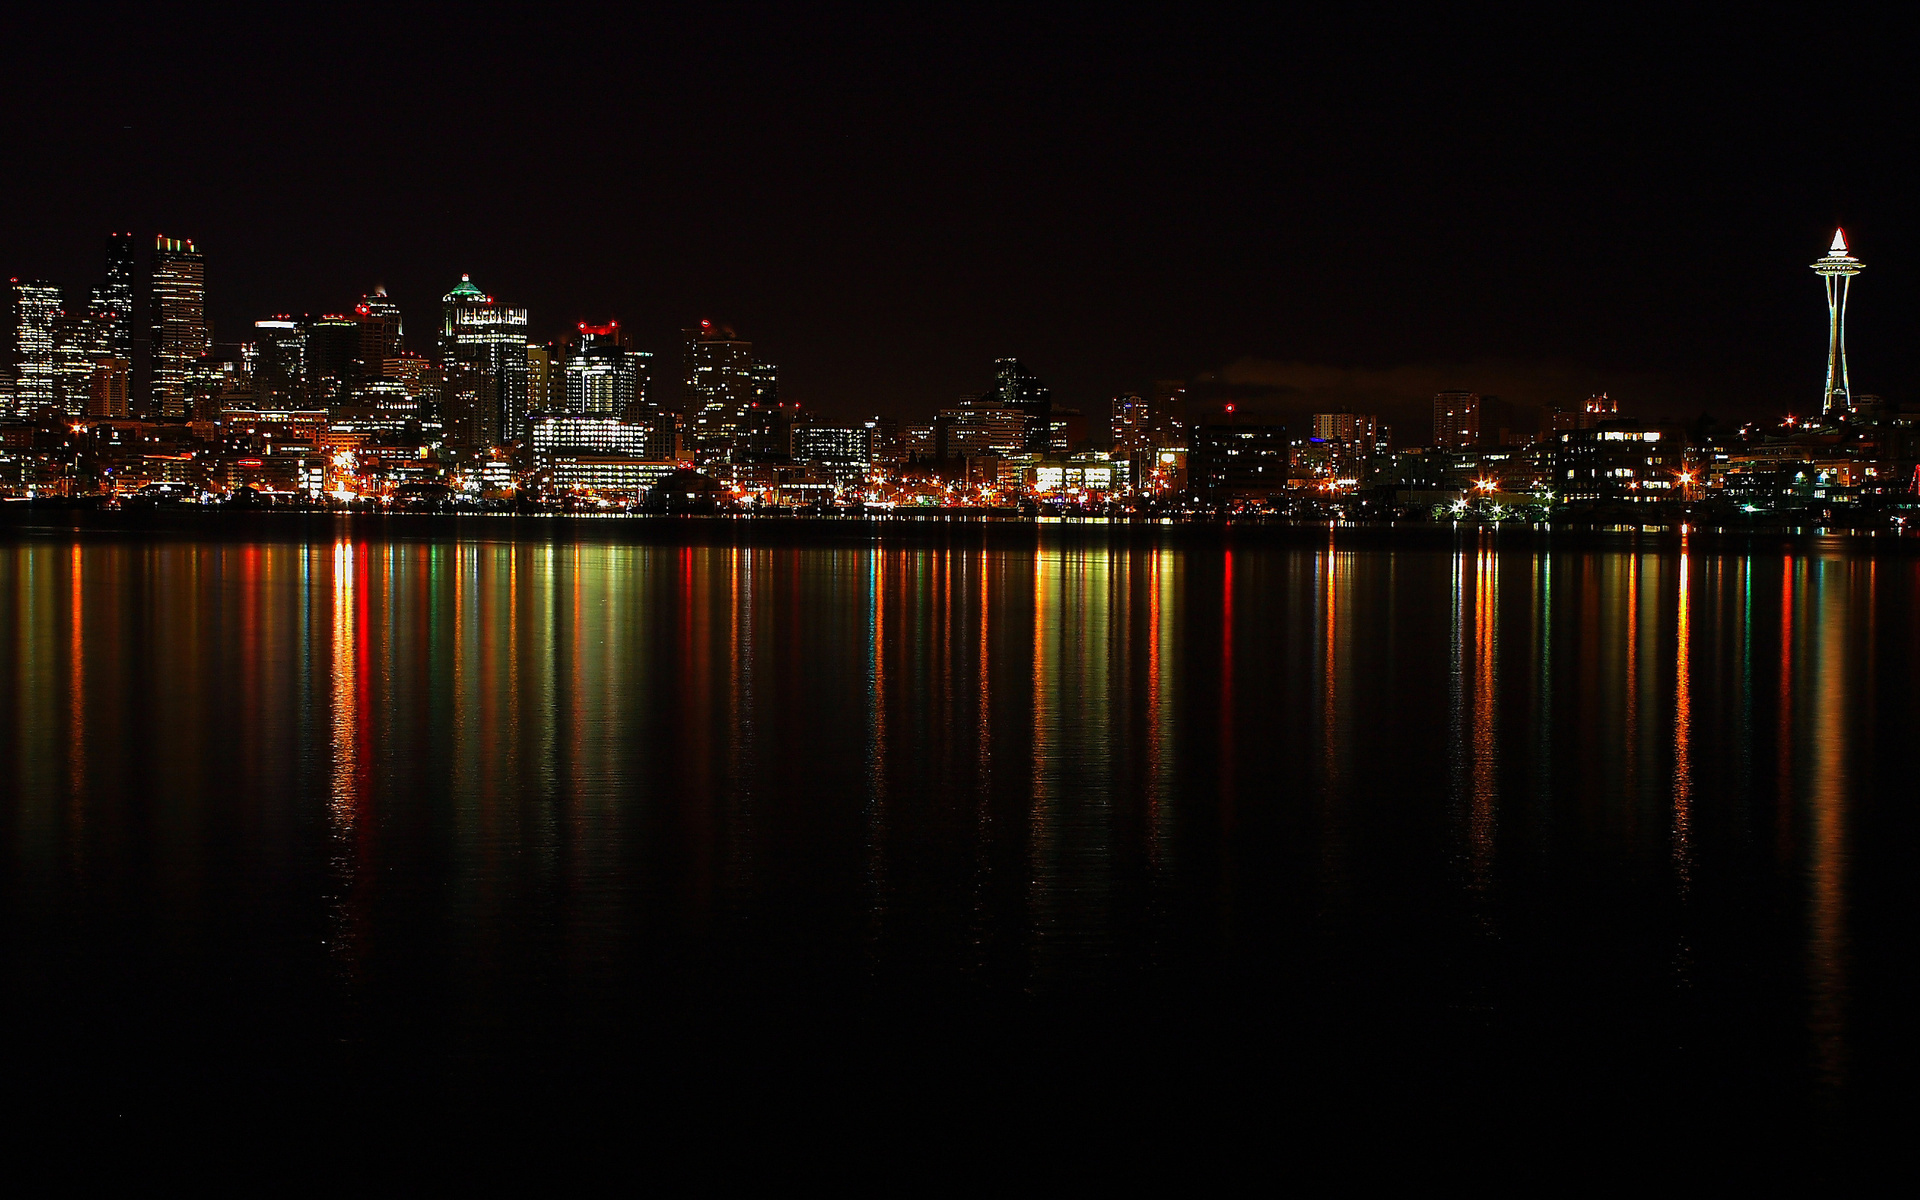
{"x":1166,"y":216}
{"x":108,"y":309}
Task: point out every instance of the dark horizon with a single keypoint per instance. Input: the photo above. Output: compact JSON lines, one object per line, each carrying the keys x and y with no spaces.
{"x":884,"y":203}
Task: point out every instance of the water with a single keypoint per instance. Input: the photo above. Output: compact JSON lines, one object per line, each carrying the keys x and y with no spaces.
{"x":1117,"y":820}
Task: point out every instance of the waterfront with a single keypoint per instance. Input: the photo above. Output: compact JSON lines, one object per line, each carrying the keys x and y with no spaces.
{"x":1051,"y":811}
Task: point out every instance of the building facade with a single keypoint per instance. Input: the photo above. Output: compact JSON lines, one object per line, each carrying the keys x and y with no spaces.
{"x":478,"y":332}
{"x":179,"y":323}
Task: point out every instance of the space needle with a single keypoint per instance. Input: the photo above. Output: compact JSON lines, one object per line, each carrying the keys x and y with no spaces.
{"x":1838,"y":269}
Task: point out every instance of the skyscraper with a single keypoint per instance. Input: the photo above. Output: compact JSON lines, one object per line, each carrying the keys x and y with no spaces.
{"x":79,"y":341}
{"x":1837,"y":270}
{"x":545,"y":390}
{"x":179,"y":317}
{"x":111,"y":304}
{"x":1456,"y":420}
{"x":1017,"y":387}
{"x":280,"y":364}
{"x":599,"y":375}
{"x":36,"y":308}
{"x":333,"y":357}
{"x":479,"y":332}
{"x":720,"y":381}
{"x":380,"y":334}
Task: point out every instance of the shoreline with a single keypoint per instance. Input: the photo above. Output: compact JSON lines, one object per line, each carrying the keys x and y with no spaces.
{"x":24,"y":522}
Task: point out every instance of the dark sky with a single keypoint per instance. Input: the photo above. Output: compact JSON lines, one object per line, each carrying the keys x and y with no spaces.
{"x":884,"y":200}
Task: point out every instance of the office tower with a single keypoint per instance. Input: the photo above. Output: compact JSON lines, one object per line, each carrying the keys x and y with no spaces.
{"x":333,"y":356}
{"x":1837,"y":270}
{"x":280,"y":364}
{"x":380,"y":334}
{"x":479,"y":332}
{"x":599,"y":375}
{"x":643,"y":406}
{"x":1131,"y":423}
{"x":766,"y":383}
{"x":111,"y":303}
{"x":107,"y":388}
{"x":79,"y":340}
{"x":546,"y":387}
{"x":1017,"y":387}
{"x":1359,"y":431}
{"x":36,"y":307}
{"x":179,"y":322}
{"x":469,"y":404}
{"x":980,"y":428}
{"x":720,"y":382}
{"x":1456,"y":420}
{"x":1169,"y":412}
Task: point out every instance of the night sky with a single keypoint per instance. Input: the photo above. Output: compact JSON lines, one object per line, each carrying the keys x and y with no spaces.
{"x":1360,"y":210}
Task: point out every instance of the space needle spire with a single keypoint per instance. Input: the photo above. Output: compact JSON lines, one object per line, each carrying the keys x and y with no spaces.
{"x":1837,"y":269}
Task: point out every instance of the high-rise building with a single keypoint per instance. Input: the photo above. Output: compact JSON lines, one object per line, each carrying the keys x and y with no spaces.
{"x":766,"y":383}
{"x":478,"y":331}
{"x":179,"y":320}
{"x":643,"y":406}
{"x":35,"y":315}
{"x":599,"y":375}
{"x":107,"y":388}
{"x":36,"y":309}
{"x":1837,"y":270}
{"x":381,"y":334}
{"x":79,"y":340}
{"x":1360,"y":432}
{"x":111,"y":303}
{"x":980,"y":428}
{"x":721,"y":382}
{"x":1456,"y":420}
{"x":1017,"y":387}
{"x":333,"y":357}
{"x":546,"y":387}
{"x":280,"y":364}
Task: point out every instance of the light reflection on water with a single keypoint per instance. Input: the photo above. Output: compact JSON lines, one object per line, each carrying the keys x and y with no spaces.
{"x":500,"y":782}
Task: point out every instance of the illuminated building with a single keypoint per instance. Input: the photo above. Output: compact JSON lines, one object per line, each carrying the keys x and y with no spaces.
{"x":409,"y":370}
{"x":1456,"y":420}
{"x":280,"y":364}
{"x":978,"y":429}
{"x":111,"y":303}
{"x":333,"y":358}
{"x":78,"y":341}
{"x":1618,"y":461}
{"x":1066,"y":431}
{"x":1837,"y":270}
{"x":1228,"y":460}
{"x":766,"y":383}
{"x":1361,"y":431}
{"x":179,"y":323}
{"x":1090,"y":473}
{"x":609,"y":476}
{"x":1017,"y":387}
{"x":599,"y":374}
{"x":643,"y":406}
{"x":721,"y":383}
{"x":469,"y":404}
{"x":36,"y":306}
{"x":544,"y":393}
{"x":480,"y":333}
{"x":381,"y":334}
{"x":1598,"y":408}
{"x":107,"y":388}
{"x":835,"y":444}
{"x":557,"y":433}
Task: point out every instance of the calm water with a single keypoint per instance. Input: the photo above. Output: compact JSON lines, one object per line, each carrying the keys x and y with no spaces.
{"x":1128,"y":817}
